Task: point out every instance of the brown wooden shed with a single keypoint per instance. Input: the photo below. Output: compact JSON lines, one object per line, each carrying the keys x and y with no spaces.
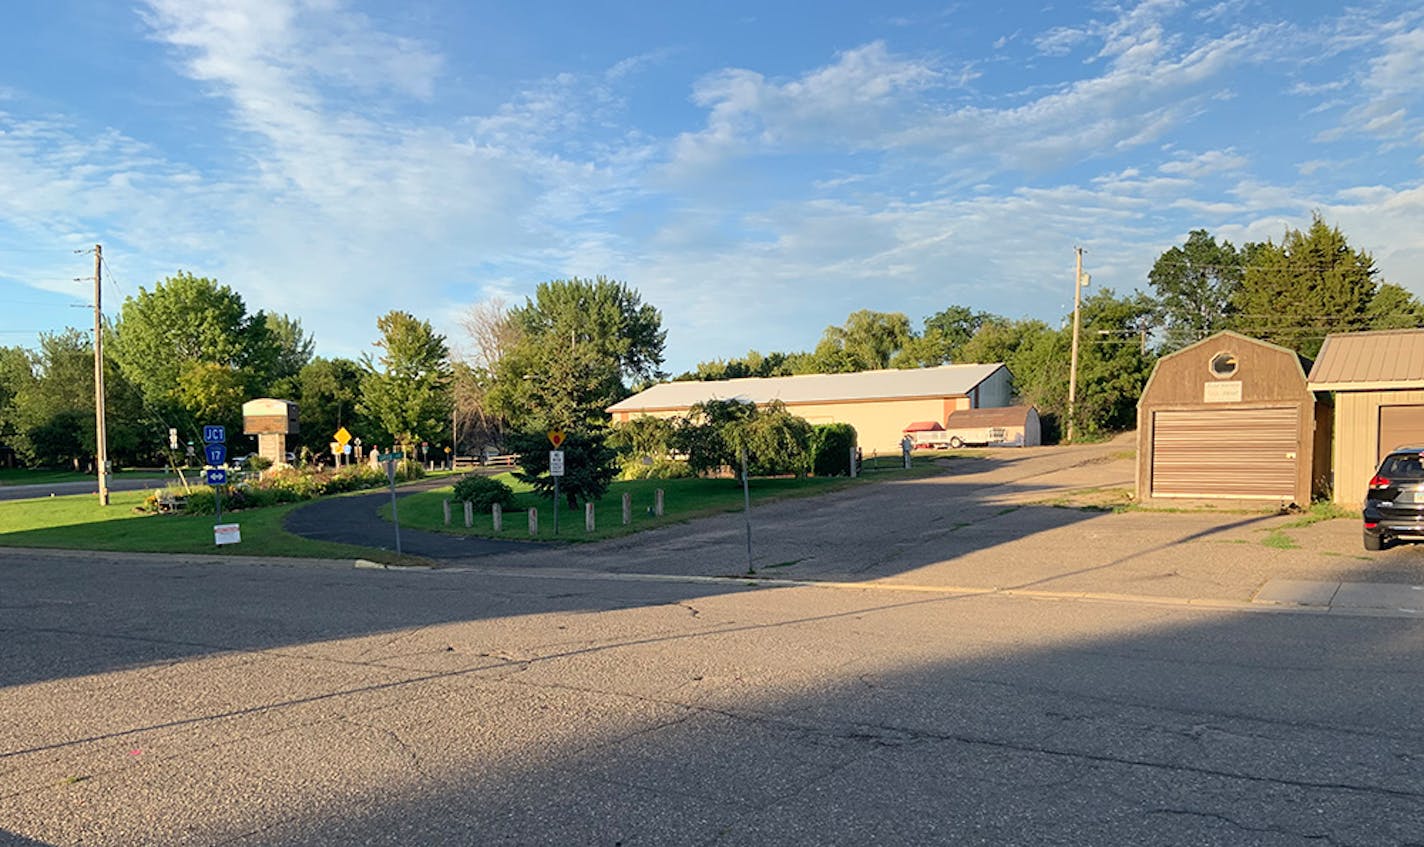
{"x":1231,"y":418}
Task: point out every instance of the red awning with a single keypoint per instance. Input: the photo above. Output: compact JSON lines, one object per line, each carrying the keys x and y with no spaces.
{"x":924,"y":426}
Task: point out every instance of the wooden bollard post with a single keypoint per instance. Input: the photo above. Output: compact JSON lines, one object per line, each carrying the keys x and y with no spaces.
{"x":469,"y":514}
{"x":627,"y":508}
{"x":498,"y":513}
{"x":533,"y":522}
{"x":445,"y":507}
{"x":658,"y":502}
{"x":588,"y":517}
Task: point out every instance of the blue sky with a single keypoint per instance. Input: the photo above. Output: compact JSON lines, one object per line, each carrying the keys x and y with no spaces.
{"x":757,"y":171}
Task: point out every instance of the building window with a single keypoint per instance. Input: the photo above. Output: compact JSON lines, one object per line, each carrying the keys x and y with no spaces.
{"x":1223,"y":365}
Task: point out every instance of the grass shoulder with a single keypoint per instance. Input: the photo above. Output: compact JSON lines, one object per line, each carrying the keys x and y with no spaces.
{"x":78,"y":522}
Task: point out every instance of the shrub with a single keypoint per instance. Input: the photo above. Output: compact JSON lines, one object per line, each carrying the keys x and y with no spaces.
{"x":633,"y":467}
{"x":641,"y":436}
{"x":257,"y":462}
{"x":830,"y":449}
{"x":483,"y":492}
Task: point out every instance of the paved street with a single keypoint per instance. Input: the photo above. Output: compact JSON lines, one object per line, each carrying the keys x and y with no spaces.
{"x":951,"y":660}
{"x":61,"y":489}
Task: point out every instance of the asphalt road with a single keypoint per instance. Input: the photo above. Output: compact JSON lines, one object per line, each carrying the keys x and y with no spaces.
{"x":60,"y":489}
{"x":165,"y":702}
{"x":354,"y":520}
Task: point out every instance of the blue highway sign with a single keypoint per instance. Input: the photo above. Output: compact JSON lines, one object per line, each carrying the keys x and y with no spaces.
{"x":216,"y":476}
{"x":214,"y":434}
{"x":215,"y":454}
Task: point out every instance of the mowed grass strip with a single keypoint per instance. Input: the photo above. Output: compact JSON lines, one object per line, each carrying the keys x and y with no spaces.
{"x":683,"y":500}
{"x":78,"y":522}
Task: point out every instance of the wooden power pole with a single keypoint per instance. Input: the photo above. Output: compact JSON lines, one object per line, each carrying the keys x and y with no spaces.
{"x":1078,"y":283}
{"x":100,"y":436}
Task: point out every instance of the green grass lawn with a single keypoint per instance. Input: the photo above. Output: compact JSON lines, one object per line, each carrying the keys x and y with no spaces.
{"x":78,"y":522}
{"x":42,"y":476}
{"x":683,"y":499}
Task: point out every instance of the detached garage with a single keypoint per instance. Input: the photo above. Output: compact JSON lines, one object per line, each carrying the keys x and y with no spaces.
{"x":1230,"y":418}
{"x":1378,"y":382}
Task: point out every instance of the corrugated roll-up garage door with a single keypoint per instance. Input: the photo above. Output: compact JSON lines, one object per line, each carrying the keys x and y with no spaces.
{"x":1400,"y":426}
{"x":1240,"y":453}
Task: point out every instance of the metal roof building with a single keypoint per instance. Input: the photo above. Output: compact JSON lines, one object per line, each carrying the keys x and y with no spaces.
{"x":1378,"y":381}
{"x":879,"y":404}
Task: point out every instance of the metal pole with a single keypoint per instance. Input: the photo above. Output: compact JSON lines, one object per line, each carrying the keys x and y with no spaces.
{"x":1073,"y":360}
{"x":556,"y":505}
{"x":101,"y":437}
{"x":395,"y":518}
{"x":217,"y":500}
{"x":747,"y":511}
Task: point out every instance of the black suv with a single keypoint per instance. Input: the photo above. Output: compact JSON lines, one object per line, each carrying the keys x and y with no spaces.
{"x":1394,"y":503}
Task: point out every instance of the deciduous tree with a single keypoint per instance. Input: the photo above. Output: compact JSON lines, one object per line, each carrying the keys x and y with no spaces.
{"x":1196,"y":286}
{"x":579,"y":343}
{"x":405,"y":390}
{"x":183,"y":322}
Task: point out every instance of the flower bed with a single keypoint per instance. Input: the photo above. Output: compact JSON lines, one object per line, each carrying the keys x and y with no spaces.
{"x":288,"y":485}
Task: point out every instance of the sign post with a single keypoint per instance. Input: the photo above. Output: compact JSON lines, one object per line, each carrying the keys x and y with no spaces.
{"x":556,"y":469}
{"x":390,"y":460}
{"x":215,"y":475}
{"x":341,"y":438}
{"x":747,"y":511}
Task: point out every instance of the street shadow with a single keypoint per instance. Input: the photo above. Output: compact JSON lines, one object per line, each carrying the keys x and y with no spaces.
{"x":78,"y":614}
{"x":865,"y":717}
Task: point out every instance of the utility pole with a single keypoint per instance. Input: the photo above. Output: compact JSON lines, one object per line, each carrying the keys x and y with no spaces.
{"x":1078,"y":282}
{"x":100,"y":435}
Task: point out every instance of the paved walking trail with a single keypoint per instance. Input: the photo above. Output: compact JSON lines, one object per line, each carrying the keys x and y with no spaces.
{"x":353,"y":520}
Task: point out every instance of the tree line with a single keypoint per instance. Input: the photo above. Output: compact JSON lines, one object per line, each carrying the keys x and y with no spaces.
{"x":1292,"y":293}
{"x":188,"y":353}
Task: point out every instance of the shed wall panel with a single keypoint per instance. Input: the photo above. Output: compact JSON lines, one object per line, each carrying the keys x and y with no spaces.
{"x":1357,"y":438}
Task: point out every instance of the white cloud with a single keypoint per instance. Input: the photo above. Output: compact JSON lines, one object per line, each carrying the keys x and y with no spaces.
{"x":871,"y":99}
{"x":1203,"y":164}
{"x":850,"y":103}
{"x":1060,"y":41}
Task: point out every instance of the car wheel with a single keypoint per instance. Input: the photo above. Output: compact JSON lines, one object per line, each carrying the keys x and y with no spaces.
{"x":1374,"y":542}
{"x":956,"y":442}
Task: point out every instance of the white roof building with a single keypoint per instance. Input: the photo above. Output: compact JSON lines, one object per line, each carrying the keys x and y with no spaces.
{"x":879,"y":404}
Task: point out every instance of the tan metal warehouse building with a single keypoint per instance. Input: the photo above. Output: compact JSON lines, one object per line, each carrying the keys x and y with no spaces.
{"x":1232,"y":418}
{"x":1378,"y":382}
{"x":879,"y":404}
